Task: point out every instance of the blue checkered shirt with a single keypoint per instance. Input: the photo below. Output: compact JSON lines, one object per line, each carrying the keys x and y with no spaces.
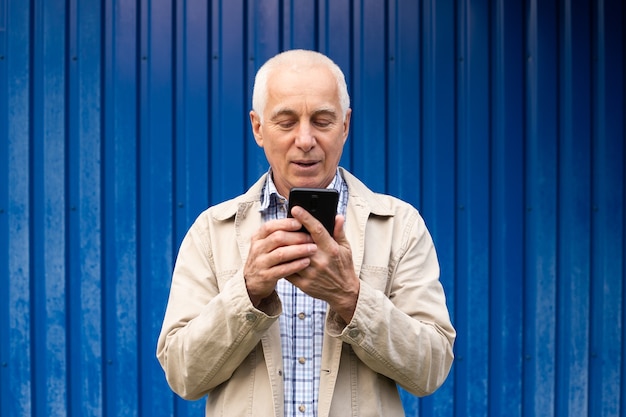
{"x":302,"y":321}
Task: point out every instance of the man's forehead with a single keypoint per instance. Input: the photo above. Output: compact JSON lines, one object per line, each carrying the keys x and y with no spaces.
{"x":298,"y":91}
{"x":306,"y":77}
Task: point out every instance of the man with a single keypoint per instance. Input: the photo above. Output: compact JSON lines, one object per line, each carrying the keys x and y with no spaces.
{"x":271,"y":321}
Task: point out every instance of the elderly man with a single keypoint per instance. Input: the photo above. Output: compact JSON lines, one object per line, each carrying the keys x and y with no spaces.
{"x":271,"y":321}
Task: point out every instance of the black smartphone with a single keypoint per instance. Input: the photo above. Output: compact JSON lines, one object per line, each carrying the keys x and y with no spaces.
{"x":320,"y":202}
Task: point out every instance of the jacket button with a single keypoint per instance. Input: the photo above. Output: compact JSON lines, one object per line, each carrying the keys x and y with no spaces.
{"x":250,"y":316}
{"x":353,"y":333}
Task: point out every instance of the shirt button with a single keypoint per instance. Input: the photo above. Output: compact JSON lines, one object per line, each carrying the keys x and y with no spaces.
{"x":302,"y":408}
{"x":301,"y":316}
{"x":301,"y":360}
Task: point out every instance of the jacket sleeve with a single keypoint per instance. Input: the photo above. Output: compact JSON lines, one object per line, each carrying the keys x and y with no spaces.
{"x":210,"y":325}
{"x":403,"y":331}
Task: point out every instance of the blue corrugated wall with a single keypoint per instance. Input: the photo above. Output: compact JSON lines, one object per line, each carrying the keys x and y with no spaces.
{"x":502,"y":121}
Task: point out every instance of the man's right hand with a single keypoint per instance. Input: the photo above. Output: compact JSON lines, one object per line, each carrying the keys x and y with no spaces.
{"x":275,"y":252}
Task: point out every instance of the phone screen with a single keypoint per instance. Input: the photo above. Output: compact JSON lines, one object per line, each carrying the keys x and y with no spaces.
{"x":320,"y":202}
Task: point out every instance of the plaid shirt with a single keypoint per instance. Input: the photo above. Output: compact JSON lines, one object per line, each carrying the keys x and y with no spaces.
{"x":302,"y":321}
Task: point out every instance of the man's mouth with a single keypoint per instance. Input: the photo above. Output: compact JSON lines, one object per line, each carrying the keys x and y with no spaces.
{"x":305,"y":164}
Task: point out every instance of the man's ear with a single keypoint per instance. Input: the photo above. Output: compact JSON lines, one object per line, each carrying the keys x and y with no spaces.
{"x":255,"y":121}
{"x":346,"y":125}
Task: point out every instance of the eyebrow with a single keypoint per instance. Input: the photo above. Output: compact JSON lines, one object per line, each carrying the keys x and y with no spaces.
{"x":325,"y":111}
{"x":282,"y":112}
{"x":290,"y":112}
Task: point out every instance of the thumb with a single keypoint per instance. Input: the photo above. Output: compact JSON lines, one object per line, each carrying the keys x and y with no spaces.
{"x":338,"y":233}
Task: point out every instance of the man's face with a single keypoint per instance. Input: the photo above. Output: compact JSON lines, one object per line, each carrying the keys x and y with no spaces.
{"x":303,"y":129}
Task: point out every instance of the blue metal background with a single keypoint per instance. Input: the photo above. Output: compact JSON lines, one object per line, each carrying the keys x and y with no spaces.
{"x":502,"y":121}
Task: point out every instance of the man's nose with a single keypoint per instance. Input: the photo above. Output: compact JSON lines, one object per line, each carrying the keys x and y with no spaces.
{"x":305,"y":138}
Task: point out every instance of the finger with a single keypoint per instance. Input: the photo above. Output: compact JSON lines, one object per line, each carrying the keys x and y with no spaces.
{"x":280,"y":233}
{"x":315,"y":227}
{"x":288,"y":225}
{"x":286,"y":254}
{"x":291,"y":269}
{"x":338,"y":233}
{"x":263,"y":270}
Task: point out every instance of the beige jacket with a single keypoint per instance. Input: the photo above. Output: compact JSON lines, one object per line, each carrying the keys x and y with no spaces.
{"x":215,"y":342}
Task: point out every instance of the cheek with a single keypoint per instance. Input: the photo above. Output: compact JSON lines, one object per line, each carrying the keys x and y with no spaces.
{"x":275,"y":151}
{"x":336,"y":150}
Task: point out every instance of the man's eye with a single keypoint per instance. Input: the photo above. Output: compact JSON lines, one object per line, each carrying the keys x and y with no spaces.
{"x":322,"y":123}
{"x":286,"y":124}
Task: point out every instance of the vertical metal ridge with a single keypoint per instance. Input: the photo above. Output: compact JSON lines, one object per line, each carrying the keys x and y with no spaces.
{"x":503,"y":122}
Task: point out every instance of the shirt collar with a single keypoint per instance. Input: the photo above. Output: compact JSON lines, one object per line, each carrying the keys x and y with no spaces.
{"x":270,"y":192}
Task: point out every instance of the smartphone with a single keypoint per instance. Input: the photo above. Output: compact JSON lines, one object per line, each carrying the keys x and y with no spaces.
{"x":320,"y":202}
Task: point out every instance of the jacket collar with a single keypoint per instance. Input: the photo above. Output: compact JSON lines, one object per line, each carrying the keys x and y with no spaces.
{"x":242,"y":203}
{"x":360,"y":194}
{"x":357,"y":191}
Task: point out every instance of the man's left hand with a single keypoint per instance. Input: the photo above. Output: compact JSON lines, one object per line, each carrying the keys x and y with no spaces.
{"x":330,"y":275}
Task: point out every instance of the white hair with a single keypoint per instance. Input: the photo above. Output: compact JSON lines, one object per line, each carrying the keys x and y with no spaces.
{"x":296,"y":58}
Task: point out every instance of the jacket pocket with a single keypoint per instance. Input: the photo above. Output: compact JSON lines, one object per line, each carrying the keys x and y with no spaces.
{"x":376,"y":276}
